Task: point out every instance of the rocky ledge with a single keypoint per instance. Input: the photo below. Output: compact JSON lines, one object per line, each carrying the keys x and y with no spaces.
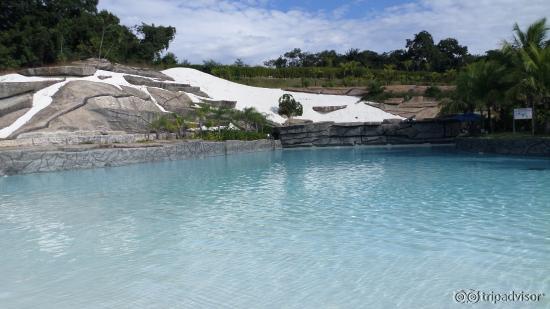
{"x":65,"y":70}
{"x":48,"y":159}
{"x":322,"y":134}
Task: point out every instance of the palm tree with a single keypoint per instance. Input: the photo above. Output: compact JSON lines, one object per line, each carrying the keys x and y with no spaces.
{"x":535,"y":35}
{"x":179,"y":124}
{"x":529,"y":54}
{"x":536,"y":79}
{"x":252,"y":117}
{"x":202,"y":114}
{"x":220,"y":115}
{"x":483,"y":84}
{"x":464,"y":100}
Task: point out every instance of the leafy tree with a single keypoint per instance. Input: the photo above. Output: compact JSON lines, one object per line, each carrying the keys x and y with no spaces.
{"x":155,"y":39}
{"x":240,"y":63}
{"x":485,"y":83}
{"x":536,"y":34}
{"x":293,"y":57}
{"x":528,"y":56}
{"x":209,"y":65}
{"x":289,"y":107}
{"x":34,"y":33}
{"x":278,"y":63}
{"x":421,"y":50}
{"x":451,"y":54}
{"x":169,"y":60}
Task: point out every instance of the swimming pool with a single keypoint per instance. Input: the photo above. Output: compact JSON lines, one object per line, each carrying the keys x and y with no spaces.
{"x":308,"y":228}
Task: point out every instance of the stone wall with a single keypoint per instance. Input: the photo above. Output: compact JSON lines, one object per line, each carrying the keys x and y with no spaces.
{"x":77,"y":138}
{"x":369,"y":133}
{"x":521,"y":146}
{"x":35,"y":160}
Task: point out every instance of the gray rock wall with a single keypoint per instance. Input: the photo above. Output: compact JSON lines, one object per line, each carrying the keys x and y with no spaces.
{"x":365,"y":133}
{"x":14,"y":88}
{"x":76,"y":138}
{"x":137,"y":80}
{"x":15,"y":103}
{"x":67,"y":70}
{"x":35,"y":160}
{"x":521,"y":146}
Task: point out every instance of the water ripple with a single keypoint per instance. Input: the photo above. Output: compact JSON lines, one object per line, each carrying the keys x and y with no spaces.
{"x":324,"y":228}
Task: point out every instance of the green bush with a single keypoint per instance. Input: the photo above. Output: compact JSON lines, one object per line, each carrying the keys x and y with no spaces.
{"x":434,"y":92}
{"x":375,"y":92}
{"x":232,"y":72}
{"x":289,"y":107}
{"x":227,"y":134}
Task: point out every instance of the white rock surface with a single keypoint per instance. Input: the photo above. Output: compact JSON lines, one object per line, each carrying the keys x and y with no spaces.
{"x":266,"y":100}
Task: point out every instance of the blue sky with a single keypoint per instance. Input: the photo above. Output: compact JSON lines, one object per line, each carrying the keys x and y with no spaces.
{"x":257,"y":30}
{"x":343,"y":8}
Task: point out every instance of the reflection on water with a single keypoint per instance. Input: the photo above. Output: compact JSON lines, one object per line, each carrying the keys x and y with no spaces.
{"x":342,"y":228}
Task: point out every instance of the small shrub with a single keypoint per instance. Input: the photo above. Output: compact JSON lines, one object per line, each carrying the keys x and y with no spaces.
{"x":289,"y":107}
{"x":433,"y":92}
{"x":375,"y":92}
{"x":226,"y":134}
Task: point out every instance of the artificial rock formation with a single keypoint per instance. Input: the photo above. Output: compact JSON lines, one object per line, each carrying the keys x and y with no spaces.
{"x":119,"y":68}
{"x":66,"y":70}
{"x":366,"y":133}
{"x":35,"y":160}
{"x":85,"y":105}
{"x":106,"y":65}
{"x":16,"y":98}
{"x":219,"y":103}
{"x":177,"y":102}
{"x":328,"y":109}
{"x":136,"y":93}
{"x":10,"y":89}
{"x":15,"y":103}
{"x":141,"y":81}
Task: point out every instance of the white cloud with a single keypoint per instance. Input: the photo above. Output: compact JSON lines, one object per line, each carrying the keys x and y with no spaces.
{"x":249,"y":29}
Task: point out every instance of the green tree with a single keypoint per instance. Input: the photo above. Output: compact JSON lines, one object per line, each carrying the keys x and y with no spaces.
{"x":528,"y":56}
{"x":289,"y":107}
{"x":451,"y":55}
{"x":536,"y":80}
{"x":486,"y":83}
{"x":536,"y":34}
{"x":34,"y":33}
{"x":168,"y":61}
{"x":421,"y":50}
{"x":155,"y":40}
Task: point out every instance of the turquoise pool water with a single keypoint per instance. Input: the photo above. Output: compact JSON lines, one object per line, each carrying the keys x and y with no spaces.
{"x":324,"y":228}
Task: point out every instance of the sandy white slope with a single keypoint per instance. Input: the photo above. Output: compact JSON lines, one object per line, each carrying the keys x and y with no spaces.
{"x":266,"y":100}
